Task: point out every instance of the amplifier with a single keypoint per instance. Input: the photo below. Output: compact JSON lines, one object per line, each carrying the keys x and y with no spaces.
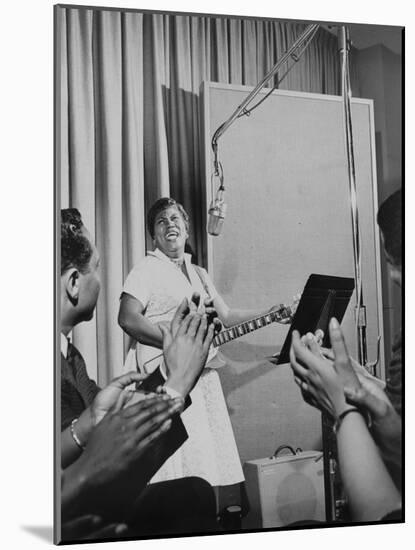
{"x":285,"y":489}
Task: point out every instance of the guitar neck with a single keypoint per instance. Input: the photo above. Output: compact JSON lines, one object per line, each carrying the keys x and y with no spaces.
{"x":237,"y":331}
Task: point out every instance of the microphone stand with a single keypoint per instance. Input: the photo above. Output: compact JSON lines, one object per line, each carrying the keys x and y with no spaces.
{"x":360,"y":308}
{"x":336,"y":503}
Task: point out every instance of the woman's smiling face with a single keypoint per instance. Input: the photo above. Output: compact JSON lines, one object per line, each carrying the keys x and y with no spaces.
{"x":170,"y":232}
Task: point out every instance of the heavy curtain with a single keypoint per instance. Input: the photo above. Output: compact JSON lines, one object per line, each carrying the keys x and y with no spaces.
{"x":128,"y":127}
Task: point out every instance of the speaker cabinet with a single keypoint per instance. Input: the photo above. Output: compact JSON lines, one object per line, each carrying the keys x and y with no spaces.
{"x":285,"y":490}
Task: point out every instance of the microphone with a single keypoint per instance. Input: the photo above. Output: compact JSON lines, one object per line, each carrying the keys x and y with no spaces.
{"x":217,"y":213}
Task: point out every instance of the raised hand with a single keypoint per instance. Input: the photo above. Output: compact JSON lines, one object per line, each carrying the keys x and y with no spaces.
{"x":207,"y":308}
{"x":182,"y":311}
{"x":186,"y":346}
{"x":322,"y":381}
{"x":306,"y":367}
{"x":169,"y":331}
{"x":111,"y":398}
{"x":368,"y":380}
{"x":342,"y":362}
{"x":212,"y":314}
{"x":365,"y":378}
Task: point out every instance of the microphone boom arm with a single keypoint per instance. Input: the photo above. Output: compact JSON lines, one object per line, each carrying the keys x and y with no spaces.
{"x":308,"y":32}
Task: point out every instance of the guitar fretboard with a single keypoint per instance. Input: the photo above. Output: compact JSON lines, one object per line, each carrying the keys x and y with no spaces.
{"x":249,"y":326}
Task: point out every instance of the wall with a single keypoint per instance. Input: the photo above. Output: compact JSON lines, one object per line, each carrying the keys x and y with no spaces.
{"x":288,"y":216}
{"x":379,"y":73}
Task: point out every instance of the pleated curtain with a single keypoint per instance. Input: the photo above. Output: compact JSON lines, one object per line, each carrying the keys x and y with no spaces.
{"x":128,"y":128}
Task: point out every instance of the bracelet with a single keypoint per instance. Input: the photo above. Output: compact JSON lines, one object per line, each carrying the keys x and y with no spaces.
{"x":74,"y":436}
{"x":341,"y":417}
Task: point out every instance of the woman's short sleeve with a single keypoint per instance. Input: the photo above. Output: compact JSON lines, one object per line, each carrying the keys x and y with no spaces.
{"x":137,"y":283}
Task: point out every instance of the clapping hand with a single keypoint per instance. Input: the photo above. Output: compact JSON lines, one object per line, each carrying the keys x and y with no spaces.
{"x":364,"y":377}
{"x":321,"y":380}
{"x":207,"y":308}
{"x":367,"y":394}
{"x":212,"y":315}
{"x":186,"y":346}
{"x":114,"y":460}
{"x":114,"y":397}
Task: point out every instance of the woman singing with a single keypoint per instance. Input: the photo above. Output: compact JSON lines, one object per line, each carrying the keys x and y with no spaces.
{"x":151,"y":294}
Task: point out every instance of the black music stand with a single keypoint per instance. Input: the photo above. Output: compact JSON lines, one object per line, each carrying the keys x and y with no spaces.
{"x":323,"y":297}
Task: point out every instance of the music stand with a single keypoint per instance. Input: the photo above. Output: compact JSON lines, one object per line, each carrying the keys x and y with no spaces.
{"x":324,"y":297}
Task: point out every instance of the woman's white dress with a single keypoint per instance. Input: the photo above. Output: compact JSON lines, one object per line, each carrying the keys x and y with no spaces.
{"x":210,"y":452}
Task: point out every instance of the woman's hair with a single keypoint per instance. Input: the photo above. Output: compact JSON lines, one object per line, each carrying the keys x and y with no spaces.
{"x":159,"y":206}
{"x":390,"y":223}
{"x":76,"y":250}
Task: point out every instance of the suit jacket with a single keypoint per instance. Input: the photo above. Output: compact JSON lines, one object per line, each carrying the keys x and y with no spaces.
{"x":78,"y":391}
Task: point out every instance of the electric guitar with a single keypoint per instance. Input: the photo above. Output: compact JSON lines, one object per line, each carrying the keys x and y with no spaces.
{"x":148,"y":358}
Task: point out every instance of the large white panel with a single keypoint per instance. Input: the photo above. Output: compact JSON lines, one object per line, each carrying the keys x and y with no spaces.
{"x":288,"y":216}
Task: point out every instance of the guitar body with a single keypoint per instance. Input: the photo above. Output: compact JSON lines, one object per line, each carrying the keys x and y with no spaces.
{"x":146,"y":359}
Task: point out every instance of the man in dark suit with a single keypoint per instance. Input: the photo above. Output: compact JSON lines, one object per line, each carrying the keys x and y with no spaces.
{"x":113,"y":440}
